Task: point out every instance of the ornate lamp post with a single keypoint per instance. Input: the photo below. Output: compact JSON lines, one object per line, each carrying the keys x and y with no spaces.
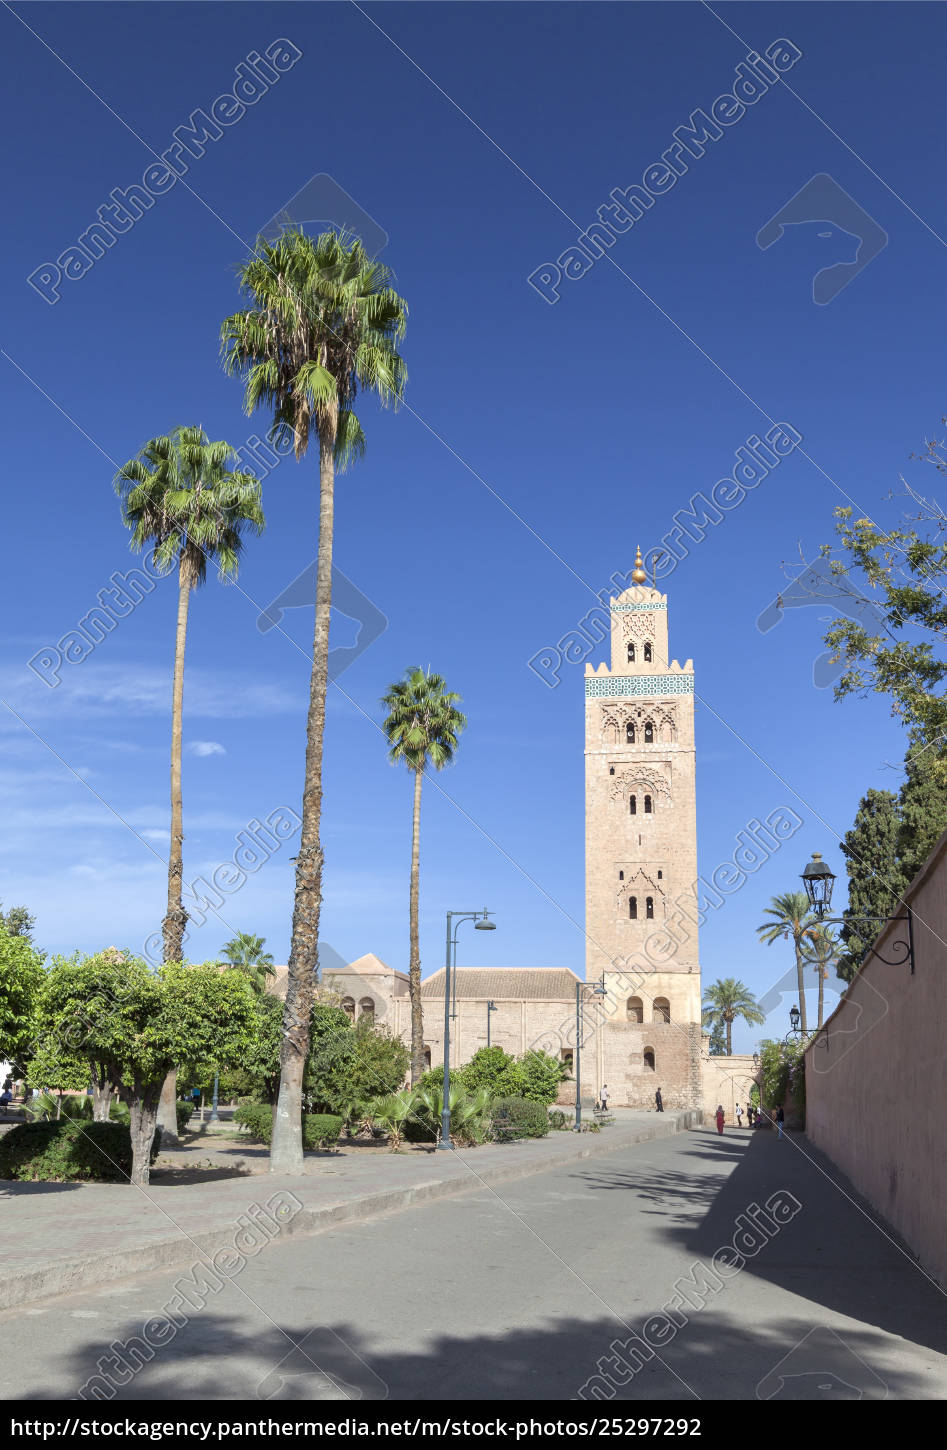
{"x":491,"y":1007}
{"x":818,"y":880}
{"x":454,"y":919}
{"x":580,"y":999}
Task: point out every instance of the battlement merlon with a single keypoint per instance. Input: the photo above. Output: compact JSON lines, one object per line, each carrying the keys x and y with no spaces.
{"x":674,"y":668}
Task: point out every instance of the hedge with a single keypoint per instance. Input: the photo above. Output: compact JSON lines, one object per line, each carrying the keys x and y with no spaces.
{"x":320,"y":1130}
{"x":525,"y":1119}
{"x":67,"y":1151}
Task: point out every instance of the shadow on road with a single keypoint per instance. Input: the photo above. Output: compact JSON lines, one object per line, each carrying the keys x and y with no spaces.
{"x":836,"y":1252}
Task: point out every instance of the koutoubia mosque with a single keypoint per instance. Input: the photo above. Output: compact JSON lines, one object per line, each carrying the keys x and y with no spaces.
{"x":641,"y":1013}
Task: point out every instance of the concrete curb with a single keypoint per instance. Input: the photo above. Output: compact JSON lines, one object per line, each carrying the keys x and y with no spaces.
{"x":68,"y":1276}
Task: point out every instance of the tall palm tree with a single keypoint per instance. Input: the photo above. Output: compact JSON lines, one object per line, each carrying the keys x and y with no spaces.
{"x":322,"y":323}
{"x":793,"y":917}
{"x":244,"y":953}
{"x":724,"y":1001}
{"x":422,"y":727}
{"x":181,"y":499}
{"x":821,"y":950}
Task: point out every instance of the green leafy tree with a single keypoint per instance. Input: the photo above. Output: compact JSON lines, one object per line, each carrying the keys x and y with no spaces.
{"x":17,"y":921}
{"x":322,"y":323}
{"x":350,"y":1065}
{"x":724,"y":1001}
{"x":244,"y":952}
{"x":793,"y":919}
{"x":539,"y":1077}
{"x":900,"y":652}
{"x":491,"y":1068}
{"x":181,"y":499}
{"x":21,"y":974}
{"x":781,"y":1073}
{"x":422,"y":726}
{"x":116,"y":1012}
{"x":922,"y":811}
{"x":262,"y":1058}
{"x":875,"y":879}
{"x":820,"y":949}
{"x":718,"y":1039}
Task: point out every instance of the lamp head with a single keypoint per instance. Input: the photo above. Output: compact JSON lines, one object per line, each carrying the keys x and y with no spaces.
{"x":485,"y":925}
{"x":794,"y":1016}
{"x":818,"y":880}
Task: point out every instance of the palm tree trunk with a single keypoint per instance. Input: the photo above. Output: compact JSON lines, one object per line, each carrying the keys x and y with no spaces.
{"x":801,"y":975}
{"x":172,"y":928}
{"x":286,"y":1150}
{"x":414,"y":953}
{"x":729,"y":1026}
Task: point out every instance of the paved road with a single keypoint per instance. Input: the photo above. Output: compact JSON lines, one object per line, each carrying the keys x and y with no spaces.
{"x":518,"y":1293}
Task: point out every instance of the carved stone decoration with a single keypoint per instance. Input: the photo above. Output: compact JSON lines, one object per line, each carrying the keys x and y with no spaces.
{"x":638,"y":624}
{"x":617,"y":713}
{"x":643,"y":778}
{"x":642,"y":885}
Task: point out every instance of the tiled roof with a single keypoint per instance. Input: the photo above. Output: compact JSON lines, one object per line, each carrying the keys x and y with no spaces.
{"x":531,"y":984}
{"x":368,"y":965}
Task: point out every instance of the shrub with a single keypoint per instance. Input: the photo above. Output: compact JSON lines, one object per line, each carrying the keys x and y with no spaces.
{"x":525,"y":1119}
{"x":257,"y":1118}
{"x":321,"y":1130}
{"x":420,"y":1127}
{"x":68,"y":1151}
{"x":183,"y":1111}
{"x":557,"y":1119}
{"x":493,"y":1069}
{"x":539,"y":1076}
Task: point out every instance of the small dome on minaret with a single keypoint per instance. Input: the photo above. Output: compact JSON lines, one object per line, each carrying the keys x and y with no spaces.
{"x":638,"y":575}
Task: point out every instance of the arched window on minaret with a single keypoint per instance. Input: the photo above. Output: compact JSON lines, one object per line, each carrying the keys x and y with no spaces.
{"x":630,"y":733}
{"x":631,"y":654}
{"x":634,"y":1010}
{"x":649,"y":733}
{"x":647,"y":653}
{"x":647,"y":805}
{"x":662,"y":1010}
{"x":649,"y":1059}
{"x":633,"y":804}
{"x":649,"y":907}
{"x":633,"y":908}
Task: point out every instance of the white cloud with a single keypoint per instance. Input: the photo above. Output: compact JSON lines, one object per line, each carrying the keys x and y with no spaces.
{"x":94,"y":689}
{"x":206,"y":747}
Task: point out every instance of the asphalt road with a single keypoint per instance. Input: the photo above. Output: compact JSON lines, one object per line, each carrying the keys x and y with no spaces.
{"x":531,"y":1291}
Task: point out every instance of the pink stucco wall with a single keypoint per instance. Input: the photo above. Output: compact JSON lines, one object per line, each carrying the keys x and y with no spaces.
{"x":876,"y":1076}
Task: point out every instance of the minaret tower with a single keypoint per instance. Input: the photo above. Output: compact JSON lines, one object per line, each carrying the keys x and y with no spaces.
{"x":641,"y":853}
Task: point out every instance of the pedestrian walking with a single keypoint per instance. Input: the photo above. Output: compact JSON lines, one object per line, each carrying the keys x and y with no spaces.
{"x":749,"y":1115}
{"x":604,"y":1096}
{"x":658,"y":1101}
{"x":739,"y":1113}
{"x":780,"y":1119}
{"x":720,"y":1118}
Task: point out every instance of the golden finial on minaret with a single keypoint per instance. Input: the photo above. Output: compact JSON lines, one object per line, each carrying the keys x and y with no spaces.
{"x":638,"y":575}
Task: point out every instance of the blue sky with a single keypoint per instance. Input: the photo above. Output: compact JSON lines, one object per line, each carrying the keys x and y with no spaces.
{"x":540,"y":445}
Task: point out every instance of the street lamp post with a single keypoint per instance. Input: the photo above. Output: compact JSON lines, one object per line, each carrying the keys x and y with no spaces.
{"x":491,"y":1007}
{"x":454,"y":919}
{"x":214,"y":1115}
{"x":596,"y":991}
{"x":818,"y":879}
